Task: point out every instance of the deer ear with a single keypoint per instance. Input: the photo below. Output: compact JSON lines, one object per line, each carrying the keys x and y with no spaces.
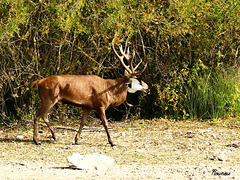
{"x":144,"y":85}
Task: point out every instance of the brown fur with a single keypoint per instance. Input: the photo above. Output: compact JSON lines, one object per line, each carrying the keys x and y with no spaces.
{"x":88,"y":91}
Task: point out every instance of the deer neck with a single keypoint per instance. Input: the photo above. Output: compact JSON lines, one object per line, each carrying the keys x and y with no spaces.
{"x":117,"y":93}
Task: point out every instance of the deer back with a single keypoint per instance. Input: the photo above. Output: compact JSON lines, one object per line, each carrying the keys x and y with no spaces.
{"x":83,"y":90}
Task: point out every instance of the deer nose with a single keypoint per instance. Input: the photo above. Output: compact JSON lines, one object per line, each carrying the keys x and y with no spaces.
{"x":147,"y":91}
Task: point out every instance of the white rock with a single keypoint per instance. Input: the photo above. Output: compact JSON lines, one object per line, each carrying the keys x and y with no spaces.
{"x":90,"y":161}
{"x":205,"y":131}
{"x":19,"y":136}
{"x":123,"y":134}
{"x":138,"y":150}
{"x":223,"y":156}
{"x":214,"y":136}
{"x":202,"y":165}
{"x":220,"y":155}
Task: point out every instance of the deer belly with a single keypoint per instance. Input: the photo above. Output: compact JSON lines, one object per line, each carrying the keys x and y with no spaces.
{"x":81,"y":103}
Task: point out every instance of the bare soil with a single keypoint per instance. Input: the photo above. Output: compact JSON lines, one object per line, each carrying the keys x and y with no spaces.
{"x":146,"y":149}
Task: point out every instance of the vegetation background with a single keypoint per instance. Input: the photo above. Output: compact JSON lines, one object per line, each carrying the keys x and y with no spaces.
{"x":191,"y":46}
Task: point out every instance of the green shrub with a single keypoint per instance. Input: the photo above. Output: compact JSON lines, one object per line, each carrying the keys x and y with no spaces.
{"x":199,"y":93}
{"x":213,"y":94}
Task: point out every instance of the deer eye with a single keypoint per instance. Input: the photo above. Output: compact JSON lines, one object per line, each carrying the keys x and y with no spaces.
{"x":128,"y":85}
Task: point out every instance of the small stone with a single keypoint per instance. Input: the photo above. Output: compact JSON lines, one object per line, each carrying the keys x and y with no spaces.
{"x":138,"y":150}
{"x":19,"y":136}
{"x":206,"y":131}
{"x":202,"y":165}
{"x":219,"y":156}
{"x":214,"y":136}
{"x":123,"y":134}
{"x":222,"y":156}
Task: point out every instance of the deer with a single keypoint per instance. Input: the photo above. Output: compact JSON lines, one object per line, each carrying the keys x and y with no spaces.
{"x":90,"y":92}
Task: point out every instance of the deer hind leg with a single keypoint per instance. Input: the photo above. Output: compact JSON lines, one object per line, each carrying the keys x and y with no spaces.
{"x":85,"y":114}
{"x":101,"y":113}
{"x":45,"y":118}
{"x":42,"y":113}
{"x":35,"y":132}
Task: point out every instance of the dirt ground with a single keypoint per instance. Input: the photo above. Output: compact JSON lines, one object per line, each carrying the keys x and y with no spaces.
{"x":156,"y":149}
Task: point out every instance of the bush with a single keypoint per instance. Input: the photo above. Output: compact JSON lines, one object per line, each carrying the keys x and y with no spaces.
{"x":202,"y":93}
{"x":41,"y":38}
{"x":213,"y":94}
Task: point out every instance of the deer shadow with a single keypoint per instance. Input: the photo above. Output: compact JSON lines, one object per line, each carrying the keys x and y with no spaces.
{"x":15,"y":140}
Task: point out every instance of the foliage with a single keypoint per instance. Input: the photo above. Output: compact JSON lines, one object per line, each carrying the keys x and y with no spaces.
{"x":40,"y":38}
{"x":213,"y":94}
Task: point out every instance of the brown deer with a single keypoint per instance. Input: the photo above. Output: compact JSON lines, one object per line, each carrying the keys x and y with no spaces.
{"x":87,"y":91}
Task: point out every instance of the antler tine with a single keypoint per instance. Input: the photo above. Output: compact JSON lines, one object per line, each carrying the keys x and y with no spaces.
{"x":131,"y":62}
{"x":128,"y":53}
{"x":138,"y":73}
{"x":127,"y":56}
{"x":121,"y":58}
{"x":126,"y":46}
{"x":140,"y":62}
{"x":121,"y":50}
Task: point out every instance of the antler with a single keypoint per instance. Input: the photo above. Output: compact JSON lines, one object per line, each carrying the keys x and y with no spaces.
{"x":121,"y":58}
{"x":126,"y":54}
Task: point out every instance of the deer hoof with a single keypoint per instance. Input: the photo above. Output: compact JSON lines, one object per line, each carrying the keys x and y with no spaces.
{"x":37,"y":143}
{"x":54,"y":138}
{"x":113,"y":144}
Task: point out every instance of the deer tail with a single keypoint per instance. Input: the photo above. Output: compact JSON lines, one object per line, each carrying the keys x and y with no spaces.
{"x":34,"y":83}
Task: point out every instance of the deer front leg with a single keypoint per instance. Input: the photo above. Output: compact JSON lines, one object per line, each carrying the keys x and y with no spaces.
{"x":101,"y":113}
{"x":83,"y":123}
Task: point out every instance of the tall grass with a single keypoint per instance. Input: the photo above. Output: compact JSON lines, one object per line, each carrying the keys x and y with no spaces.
{"x":213,"y":94}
